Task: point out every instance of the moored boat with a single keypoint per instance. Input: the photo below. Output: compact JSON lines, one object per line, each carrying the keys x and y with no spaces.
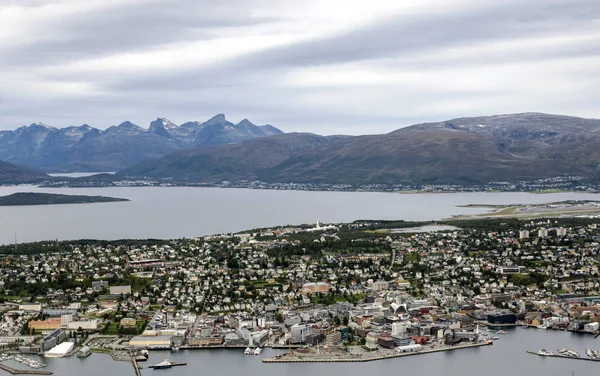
{"x":167,"y":363}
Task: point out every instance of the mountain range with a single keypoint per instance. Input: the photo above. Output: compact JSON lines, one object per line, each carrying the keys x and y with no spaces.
{"x":84,"y":148}
{"x":466,"y":151}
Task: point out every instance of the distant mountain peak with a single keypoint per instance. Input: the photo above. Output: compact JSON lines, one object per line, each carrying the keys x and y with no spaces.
{"x":128,"y":124}
{"x":218,"y":118}
{"x":40,"y":124}
{"x":166,"y":123}
{"x":160,"y":126}
{"x":244,"y":122}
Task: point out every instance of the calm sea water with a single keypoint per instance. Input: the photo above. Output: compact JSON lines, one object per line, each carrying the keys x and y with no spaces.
{"x":171,"y":212}
{"x":506,"y":357}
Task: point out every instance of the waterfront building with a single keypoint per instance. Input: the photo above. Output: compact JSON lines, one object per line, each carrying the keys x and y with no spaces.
{"x":299,"y":333}
{"x":502,"y":318}
{"x":157,"y":342}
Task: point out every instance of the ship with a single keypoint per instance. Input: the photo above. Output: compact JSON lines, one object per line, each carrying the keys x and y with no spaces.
{"x":167,"y":363}
{"x":544,"y":352}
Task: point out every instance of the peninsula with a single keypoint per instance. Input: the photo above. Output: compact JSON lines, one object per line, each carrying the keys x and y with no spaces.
{"x":33,"y":198}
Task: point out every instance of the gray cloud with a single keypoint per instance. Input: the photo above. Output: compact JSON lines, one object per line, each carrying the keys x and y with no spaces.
{"x":195,"y":59}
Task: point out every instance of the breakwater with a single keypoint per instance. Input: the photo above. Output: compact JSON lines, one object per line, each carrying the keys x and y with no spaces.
{"x":562,"y":356}
{"x":365,"y":357}
{"x":14,"y":371}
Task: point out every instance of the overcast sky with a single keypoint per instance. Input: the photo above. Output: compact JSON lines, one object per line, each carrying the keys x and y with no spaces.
{"x":322,"y":66}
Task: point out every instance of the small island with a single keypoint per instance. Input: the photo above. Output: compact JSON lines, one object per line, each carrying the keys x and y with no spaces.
{"x":33,"y":198}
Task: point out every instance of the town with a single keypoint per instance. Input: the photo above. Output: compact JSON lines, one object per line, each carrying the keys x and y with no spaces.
{"x":362,"y":290}
{"x":554,"y":184}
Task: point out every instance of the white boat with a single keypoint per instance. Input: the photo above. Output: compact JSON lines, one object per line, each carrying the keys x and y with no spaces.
{"x":572,"y":353}
{"x":495,"y":337}
{"x":544,"y":352}
{"x":589,"y":353}
{"x":257,"y":351}
{"x":541,"y":327}
{"x":248,"y":351}
{"x":167,"y":363}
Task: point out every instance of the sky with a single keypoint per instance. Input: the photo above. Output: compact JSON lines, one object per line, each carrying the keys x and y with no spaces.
{"x":322,"y":66}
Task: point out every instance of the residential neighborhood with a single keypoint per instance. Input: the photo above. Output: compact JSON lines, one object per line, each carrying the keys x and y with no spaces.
{"x":368,"y":285}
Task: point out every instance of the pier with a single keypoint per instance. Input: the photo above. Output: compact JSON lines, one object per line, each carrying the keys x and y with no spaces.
{"x":286,"y":358}
{"x":562,"y":356}
{"x":14,"y":371}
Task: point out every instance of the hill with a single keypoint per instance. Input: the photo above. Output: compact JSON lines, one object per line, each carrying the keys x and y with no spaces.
{"x":229,"y":162}
{"x":12,"y":174}
{"x":34,"y":198}
{"x":463,"y":151}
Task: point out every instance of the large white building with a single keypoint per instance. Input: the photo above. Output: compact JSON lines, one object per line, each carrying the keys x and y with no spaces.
{"x":118,"y":290}
{"x":65,"y":320}
{"x":36,"y":307}
{"x":85,"y":325}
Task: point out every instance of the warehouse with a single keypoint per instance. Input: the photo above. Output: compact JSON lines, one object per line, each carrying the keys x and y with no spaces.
{"x":152,"y":342}
{"x":60,"y":350}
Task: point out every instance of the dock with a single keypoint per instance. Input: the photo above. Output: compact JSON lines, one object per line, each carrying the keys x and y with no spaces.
{"x":562,"y":356}
{"x":368,"y":358}
{"x":174,"y":364}
{"x":136,"y":367}
{"x":14,"y":371}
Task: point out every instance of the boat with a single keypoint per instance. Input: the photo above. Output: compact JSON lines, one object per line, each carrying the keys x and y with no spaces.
{"x":248,"y":351}
{"x":544,"y":352}
{"x":495,"y":338}
{"x":501,"y":332}
{"x":145,"y":353}
{"x":257,"y":351}
{"x":541,"y":327}
{"x":167,"y":363}
{"x":572,"y":353}
{"x":175,"y":348}
{"x":589,"y":353}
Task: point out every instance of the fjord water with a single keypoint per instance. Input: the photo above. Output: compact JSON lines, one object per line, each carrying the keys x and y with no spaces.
{"x":176,"y":212}
{"x":506,"y":357}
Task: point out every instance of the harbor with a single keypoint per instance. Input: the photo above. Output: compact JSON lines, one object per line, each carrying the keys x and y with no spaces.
{"x":512,"y":345}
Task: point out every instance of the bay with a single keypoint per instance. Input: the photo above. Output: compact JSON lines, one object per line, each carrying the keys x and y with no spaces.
{"x":176,"y":212}
{"x":506,"y":357}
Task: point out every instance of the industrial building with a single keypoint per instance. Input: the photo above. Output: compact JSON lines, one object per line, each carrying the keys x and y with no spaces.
{"x":60,"y":350}
{"x":152,"y":342}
